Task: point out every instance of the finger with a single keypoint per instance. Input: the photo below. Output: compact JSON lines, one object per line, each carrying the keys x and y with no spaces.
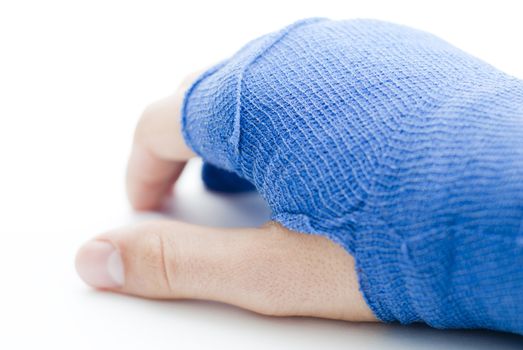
{"x":269,"y":270}
{"x":159,"y":152}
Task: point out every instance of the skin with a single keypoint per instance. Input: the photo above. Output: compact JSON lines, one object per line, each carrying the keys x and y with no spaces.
{"x":269,"y":270}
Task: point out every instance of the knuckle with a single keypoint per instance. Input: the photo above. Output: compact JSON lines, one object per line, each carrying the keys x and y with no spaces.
{"x":157,"y":258}
{"x":188,"y":80}
{"x":144,"y":122}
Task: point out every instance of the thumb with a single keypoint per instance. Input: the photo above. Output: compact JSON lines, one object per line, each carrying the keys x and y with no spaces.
{"x":269,"y":270}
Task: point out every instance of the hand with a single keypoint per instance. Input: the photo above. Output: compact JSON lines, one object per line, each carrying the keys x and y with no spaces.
{"x":270,"y":270}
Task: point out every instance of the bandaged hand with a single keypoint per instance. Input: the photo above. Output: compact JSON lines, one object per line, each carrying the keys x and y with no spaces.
{"x":392,"y":163}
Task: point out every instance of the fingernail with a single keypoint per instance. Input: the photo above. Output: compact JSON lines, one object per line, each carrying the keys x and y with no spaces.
{"x":100,"y":265}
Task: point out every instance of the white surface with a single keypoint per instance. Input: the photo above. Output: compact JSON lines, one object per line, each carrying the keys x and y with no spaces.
{"x":74,"y":76}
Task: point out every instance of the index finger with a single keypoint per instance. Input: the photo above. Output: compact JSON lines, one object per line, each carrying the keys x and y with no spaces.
{"x":159,"y":152}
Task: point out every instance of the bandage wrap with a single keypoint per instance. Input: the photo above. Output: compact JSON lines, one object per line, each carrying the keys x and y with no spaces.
{"x":391,"y":142}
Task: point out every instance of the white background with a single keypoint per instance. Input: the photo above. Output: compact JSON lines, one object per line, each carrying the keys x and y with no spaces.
{"x":74,"y":77}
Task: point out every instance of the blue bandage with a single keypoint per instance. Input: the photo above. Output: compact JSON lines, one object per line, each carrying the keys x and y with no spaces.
{"x":396,"y":145}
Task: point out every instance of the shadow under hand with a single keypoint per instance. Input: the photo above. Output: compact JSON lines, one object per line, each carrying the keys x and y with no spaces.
{"x":192,"y":203}
{"x":314,"y":333}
